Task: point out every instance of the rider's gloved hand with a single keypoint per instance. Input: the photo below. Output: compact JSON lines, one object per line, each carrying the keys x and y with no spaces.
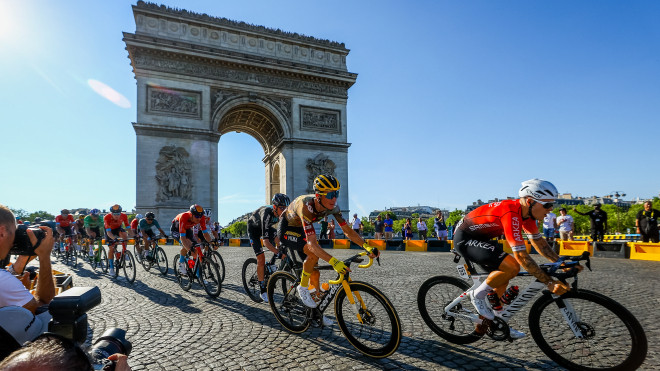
{"x":338,"y":265}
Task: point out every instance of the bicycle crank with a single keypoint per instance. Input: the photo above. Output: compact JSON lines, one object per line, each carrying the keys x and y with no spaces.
{"x":498,"y":330}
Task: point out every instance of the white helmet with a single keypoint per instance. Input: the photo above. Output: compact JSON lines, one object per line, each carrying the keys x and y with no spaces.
{"x":207,"y":212}
{"x":139,"y":216}
{"x":538,"y":189}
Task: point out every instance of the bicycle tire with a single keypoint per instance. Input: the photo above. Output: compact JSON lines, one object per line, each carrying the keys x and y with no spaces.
{"x":128,"y":264}
{"x":138,"y":256}
{"x":146,"y":263}
{"x":74,"y":256}
{"x":375,"y":309}
{"x":251,"y":280}
{"x":287,"y":307}
{"x":102,"y":260}
{"x":624,"y":346}
{"x":116,"y":265}
{"x":443,"y":290}
{"x":217,"y":259}
{"x":210,"y":278}
{"x":181,"y":277}
{"x":160,"y":259}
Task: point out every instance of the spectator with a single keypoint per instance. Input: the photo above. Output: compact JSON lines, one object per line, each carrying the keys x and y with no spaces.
{"x":54,"y":352}
{"x":421,"y":229}
{"x":440,"y":226}
{"x":388,"y":227}
{"x":549,"y":226}
{"x":598,"y":222}
{"x":324,"y":228}
{"x":565,"y":223}
{"x":379,"y":226}
{"x":331,"y":229}
{"x":647,"y":223}
{"x":19,"y":220}
{"x":407,"y":229}
{"x":13,"y":292}
{"x":357,"y":224}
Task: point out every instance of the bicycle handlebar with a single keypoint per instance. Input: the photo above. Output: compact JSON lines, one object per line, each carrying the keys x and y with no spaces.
{"x":570,"y":262}
{"x":348,"y":263}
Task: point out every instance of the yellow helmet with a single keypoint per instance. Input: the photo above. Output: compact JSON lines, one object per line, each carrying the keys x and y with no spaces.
{"x":326,"y":183}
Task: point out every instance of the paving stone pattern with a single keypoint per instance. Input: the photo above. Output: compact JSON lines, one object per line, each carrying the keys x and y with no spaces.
{"x":175,"y":330}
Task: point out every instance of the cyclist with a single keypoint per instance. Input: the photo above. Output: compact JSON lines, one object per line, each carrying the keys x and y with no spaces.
{"x":472,"y":239}
{"x":134,"y":233}
{"x":64,"y":225}
{"x":80,"y":227}
{"x":113,"y":222}
{"x":296,"y":231}
{"x":182,"y":226}
{"x":261,"y":231}
{"x":147,"y":226}
{"x":93,"y":224}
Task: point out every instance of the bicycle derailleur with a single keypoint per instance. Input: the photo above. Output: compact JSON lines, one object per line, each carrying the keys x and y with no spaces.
{"x":498,"y":330}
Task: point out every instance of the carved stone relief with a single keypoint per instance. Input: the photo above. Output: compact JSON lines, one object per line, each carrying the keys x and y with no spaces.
{"x":318,"y":119}
{"x":283,"y":104}
{"x":320,"y":164}
{"x":174,"y":174}
{"x":177,"y":102}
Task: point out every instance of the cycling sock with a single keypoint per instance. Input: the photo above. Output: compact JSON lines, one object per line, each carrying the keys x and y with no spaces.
{"x":262,"y":286}
{"x":304,"y":279}
{"x":481,"y":291}
{"x":182,"y":259}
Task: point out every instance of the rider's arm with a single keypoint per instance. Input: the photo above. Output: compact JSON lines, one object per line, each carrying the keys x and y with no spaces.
{"x":315,"y":248}
{"x":265,"y":230}
{"x":531,"y":267}
{"x":542,"y":246}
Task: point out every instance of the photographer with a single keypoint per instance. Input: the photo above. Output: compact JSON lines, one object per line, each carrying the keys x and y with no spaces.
{"x":12,"y":291}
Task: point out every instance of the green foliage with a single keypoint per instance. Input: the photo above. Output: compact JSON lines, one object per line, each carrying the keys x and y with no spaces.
{"x":19,"y":213}
{"x":238,"y":229}
{"x":383,"y":215}
{"x":367,"y":227}
{"x":454,"y":217}
{"x":44,"y":215}
{"x":414,"y":215}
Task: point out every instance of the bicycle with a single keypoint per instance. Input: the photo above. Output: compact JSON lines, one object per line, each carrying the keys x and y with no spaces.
{"x":365,"y":315}
{"x":201,"y":268}
{"x":251,"y":278}
{"x":155,"y":256}
{"x":583,"y":330}
{"x":137,"y":241}
{"x":210,"y":250}
{"x":99,"y":256}
{"x":123,"y":259}
{"x":70,"y":251}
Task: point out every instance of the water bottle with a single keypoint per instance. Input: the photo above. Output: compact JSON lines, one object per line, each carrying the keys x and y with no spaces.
{"x":510,"y":295}
{"x":494,"y":301}
{"x":191,"y":263}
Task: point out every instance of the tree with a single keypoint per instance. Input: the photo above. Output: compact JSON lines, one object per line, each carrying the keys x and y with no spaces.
{"x":19,"y":213}
{"x":367,"y":227}
{"x":238,"y":229}
{"x":383,"y":215}
{"x":454,"y":217}
{"x":44,"y":215}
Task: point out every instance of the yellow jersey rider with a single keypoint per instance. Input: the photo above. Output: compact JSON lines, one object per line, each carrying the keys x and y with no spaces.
{"x":296,"y":231}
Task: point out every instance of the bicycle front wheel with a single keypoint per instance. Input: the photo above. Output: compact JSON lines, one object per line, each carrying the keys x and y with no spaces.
{"x":612,"y":338}
{"x":285,"y":303}
{"x":210,"y":278}
{"x":181,"y":277}
{"x":137,"y":254}
{"x":378,"y":335}
{"x":432,"y":298}
{"x":251,"y":280}
{"x":129,"y":266}
{"x":217,"y":259}
{"x":101,"y":259}
{"x":161,"y":260}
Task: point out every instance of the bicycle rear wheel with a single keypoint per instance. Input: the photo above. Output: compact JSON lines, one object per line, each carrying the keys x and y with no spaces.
{"x":432,"y":298}
{"x":379,"y":333}
{"x":101,"y":259}
{"x":128,"y":264}
{"x":181,"y":277}
{"x":251,"y":280}
{"x":160,"y":259}
{"x":210,"y":279}
{"x":137,"y":254}
{"x":217,"y":259}
{"x":612,"y":339}
{"x":285,"y":303}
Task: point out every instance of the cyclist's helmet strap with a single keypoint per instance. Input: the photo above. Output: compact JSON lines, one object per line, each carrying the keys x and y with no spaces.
{"x":280,"y":199}
{"x":326,"y":183}
{"x":197,"y":211}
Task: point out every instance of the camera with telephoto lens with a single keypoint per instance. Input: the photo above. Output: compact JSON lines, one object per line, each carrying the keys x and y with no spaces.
{"x":112,"y":341}
{"x":22,"y":244}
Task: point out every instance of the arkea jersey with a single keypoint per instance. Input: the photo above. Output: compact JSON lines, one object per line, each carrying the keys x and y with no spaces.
{"x":185,"y":222}
{"x":499,"y":218}
{"x":111,"y":223}
{"x":302,"y":213}
{"x":64,"y":221}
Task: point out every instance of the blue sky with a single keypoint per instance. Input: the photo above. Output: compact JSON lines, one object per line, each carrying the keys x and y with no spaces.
{"x":454,"y":102}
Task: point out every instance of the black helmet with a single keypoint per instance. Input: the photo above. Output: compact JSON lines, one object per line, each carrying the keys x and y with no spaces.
{"x":150,"y":215}
{"x":64,"y":211}
{"x":197,"y":211}
{"x":280,"y":199}
{"x":37,"y":219}
{"x":115,"y":209}
{"x":326,"y":183}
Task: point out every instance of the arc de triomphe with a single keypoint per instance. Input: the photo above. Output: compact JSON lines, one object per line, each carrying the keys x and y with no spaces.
{"x":199,"y":77}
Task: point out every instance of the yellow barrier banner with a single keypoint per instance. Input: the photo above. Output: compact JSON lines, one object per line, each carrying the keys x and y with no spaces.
{"x":644,"y":251}
{"x":415,"y":245}
{"x":575,"y":248}
{"x":235,"y":242}
{"x":341,"y":244}
{"x":380,"y":244}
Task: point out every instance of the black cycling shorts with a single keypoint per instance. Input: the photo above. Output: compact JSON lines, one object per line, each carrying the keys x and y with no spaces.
{"x":115,"y":231}
{"x":254,"y":234}
{"x":150,"y":233}
{"x":68,"y":231}
{"x":487,"y":253}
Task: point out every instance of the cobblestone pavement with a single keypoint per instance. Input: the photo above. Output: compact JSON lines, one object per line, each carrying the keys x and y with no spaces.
{"x":175,"y":330}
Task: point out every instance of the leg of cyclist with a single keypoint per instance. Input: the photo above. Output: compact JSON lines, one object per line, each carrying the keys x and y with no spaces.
{"x":60,"y":231}
{"x":146,"y":242}
{"x":186,"y":245}
{"x":254,"y":234}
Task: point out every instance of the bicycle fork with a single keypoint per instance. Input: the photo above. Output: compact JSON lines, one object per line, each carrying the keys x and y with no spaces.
{"x":568,"y":312}
{"x":354,"y":305}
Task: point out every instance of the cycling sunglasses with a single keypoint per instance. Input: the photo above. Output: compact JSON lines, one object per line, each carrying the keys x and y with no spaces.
{"x":546,"y":205}
{"x":331,"y":195}
{"x":150,"y":219}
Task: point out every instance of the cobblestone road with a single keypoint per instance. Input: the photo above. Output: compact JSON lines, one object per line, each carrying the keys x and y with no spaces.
{"x":175,"y":330}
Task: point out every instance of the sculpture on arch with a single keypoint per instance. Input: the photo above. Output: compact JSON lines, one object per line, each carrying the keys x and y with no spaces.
{"x":320,"y":164}
{"x":173,"y":174}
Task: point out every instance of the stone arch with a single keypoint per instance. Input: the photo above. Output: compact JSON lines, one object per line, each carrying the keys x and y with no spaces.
{"x":275,"y":179}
